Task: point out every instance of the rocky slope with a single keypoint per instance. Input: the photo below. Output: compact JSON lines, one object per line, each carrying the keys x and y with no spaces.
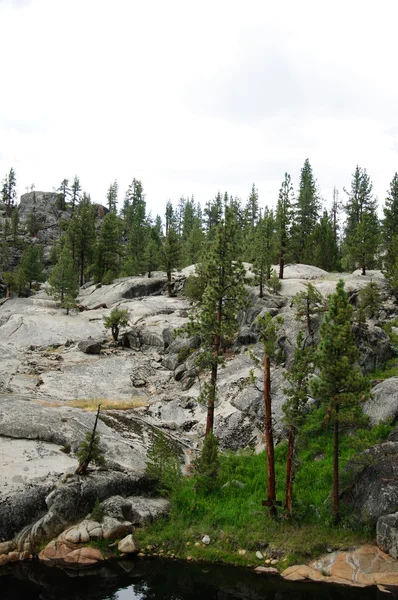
{"x":53,"y":364}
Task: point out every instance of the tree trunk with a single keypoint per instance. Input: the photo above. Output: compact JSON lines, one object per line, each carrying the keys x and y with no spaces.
{"x":336,"y":466}
{"x":281,"y":264}
{"x":169,"y":290}
{"x":213,"y":380}
{"x":261,"y":286}
{"x":289,"y":472}
{"x":363,"y":269}
{"x":269,"y":440}
{"x":83,"y":466}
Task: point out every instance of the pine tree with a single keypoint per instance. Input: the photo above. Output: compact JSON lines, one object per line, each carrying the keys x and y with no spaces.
{"x":14,"y":224}
{"x":309,"y":303}
{"x":81,"y":235}
{"x":268,"y":328}
{"x":137,"y":225}
{"x":297,"y":392}
{"x":6,"y":228}
{"x":75,"y":192}
{"x":32,"y":263}
{"x":111,"y":196}
{"x":264,"y":248}
{"x":213,"y":213}
{"x":390,"y":225}
{"x":337,"y":207}
{"x":326,"y":250}
{"x":306,"y":212}
{"x":9,"y":191}
{"x":152,"y":257}
{"x":108,"y":249}
{"x":283,"y":219}
{"x":339,"y":385}
{"x":170,"y":255}
{"x":63,"y":281}
{"x":224,"y":295}
{"x":362,"y":227}
{"x":65,"y":192}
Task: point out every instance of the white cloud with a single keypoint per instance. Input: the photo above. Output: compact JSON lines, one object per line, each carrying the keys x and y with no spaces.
{"x":193,"y":97}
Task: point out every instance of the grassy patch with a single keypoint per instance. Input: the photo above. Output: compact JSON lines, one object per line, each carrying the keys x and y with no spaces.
{"x":235,"y":519}
{"x":91,"y":404}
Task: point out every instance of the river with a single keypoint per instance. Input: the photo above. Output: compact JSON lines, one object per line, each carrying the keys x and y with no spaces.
{"x":160,"y":580}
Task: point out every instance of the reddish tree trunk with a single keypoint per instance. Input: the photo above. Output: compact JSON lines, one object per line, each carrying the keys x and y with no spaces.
{"x":289,"y":472}
{"x":336,"y":466}
{"x":269,"y":440}
{"x":261,"y":287}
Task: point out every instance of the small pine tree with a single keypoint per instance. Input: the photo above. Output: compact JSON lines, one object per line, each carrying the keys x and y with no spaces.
{"x":296,"y":393}
{"x":339,"y":384}
{"x":370,"y":299}
{"x":32,"y":263}
{"x":89,"y":450}
{"x":63,"y":281}
{"x":163,"y":466}
{"x":207,"y":465}
{"x":14,"y":224}
{"x":274,"y":284}
{"x":309,"y":303}
{"x":119,"y":317}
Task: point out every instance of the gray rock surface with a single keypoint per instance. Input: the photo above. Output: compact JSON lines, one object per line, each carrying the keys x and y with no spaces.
{"x":383,"y":406}
{"x":387,"y":534}
{"x":373,"y":492}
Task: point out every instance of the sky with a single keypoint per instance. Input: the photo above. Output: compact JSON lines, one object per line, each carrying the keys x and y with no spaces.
{"x":193,"y":96}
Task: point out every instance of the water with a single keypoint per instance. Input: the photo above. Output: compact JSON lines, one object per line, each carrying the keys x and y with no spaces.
{"x":158,"y":580}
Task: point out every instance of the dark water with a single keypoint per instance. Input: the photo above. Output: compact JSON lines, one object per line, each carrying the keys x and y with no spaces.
{"x":157,"y":580}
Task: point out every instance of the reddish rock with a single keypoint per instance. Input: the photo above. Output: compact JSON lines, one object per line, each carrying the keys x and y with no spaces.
{"x":84,"y":557}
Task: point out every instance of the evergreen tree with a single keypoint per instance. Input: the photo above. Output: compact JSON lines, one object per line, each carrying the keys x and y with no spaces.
{"x":309,"y":304}
{"x":193,"y":247}
{"x":64,"y":193}
{"x":268,"y":328}
{"x":152,"y":255}
{"x":5,"y":256}
{"x":32,"y":263}
{"x":390,"y":225}
{"x":6,"y":228}
{"x":283,"y":219}
{"x":9,"y":191}
{"x":339,"y":385}
{"x":213,"y":213}
{"x":326,"y":251}
{"x":169,"y":255}
{"x":81,"y":235}
{"x":14,"y":224}
{"x":137,"y":224}
{"x":224,"y":295}
{"x":306,"y":212}
{"x":297,"y":392}
{"x":362,"y":227}
{"x":108,"y":249}
{"x":118,"y":317}
{"x":264,"y":248}
{"x":76,"y":188}
{"x":207,"y":466}
{"x":111,"y":196}
{"x":63,"y":281}
{"x":335,"y":211}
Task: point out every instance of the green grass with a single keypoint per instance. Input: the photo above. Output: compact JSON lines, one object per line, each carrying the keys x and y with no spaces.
{"x":234,"y":517}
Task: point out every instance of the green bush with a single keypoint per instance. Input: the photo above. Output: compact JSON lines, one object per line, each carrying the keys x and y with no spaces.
{"x":97,"y":513}
{"x":119,"y":317}
{"x":274,"y":284}
{"x":163,"y":466}
{"x":108,"y":278}
{"x":207,"y":466}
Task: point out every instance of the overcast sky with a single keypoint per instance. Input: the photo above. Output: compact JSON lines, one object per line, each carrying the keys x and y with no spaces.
{"x":193,"y":96}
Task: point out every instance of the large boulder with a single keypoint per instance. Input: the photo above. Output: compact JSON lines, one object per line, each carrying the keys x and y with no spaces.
{"x":373,"y":491}
{"x":375,"y":347}
{"x":387,"y":534}
{"x":383,"y":406}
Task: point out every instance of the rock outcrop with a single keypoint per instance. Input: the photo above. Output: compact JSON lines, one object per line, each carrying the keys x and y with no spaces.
{"x":373,"y":492}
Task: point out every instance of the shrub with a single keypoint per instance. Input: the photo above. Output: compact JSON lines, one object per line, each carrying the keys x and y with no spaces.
{"x":119,"y":317}
{"x":97,"y":513}
{"x":163,"y":466}
{"x":207,"y":466}
{"x":274,"y":284}
{"x":370,"y":299}
{"x":108,"y":278}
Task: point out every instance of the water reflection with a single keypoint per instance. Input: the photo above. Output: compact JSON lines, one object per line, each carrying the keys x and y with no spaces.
{"x":157,"y":580}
